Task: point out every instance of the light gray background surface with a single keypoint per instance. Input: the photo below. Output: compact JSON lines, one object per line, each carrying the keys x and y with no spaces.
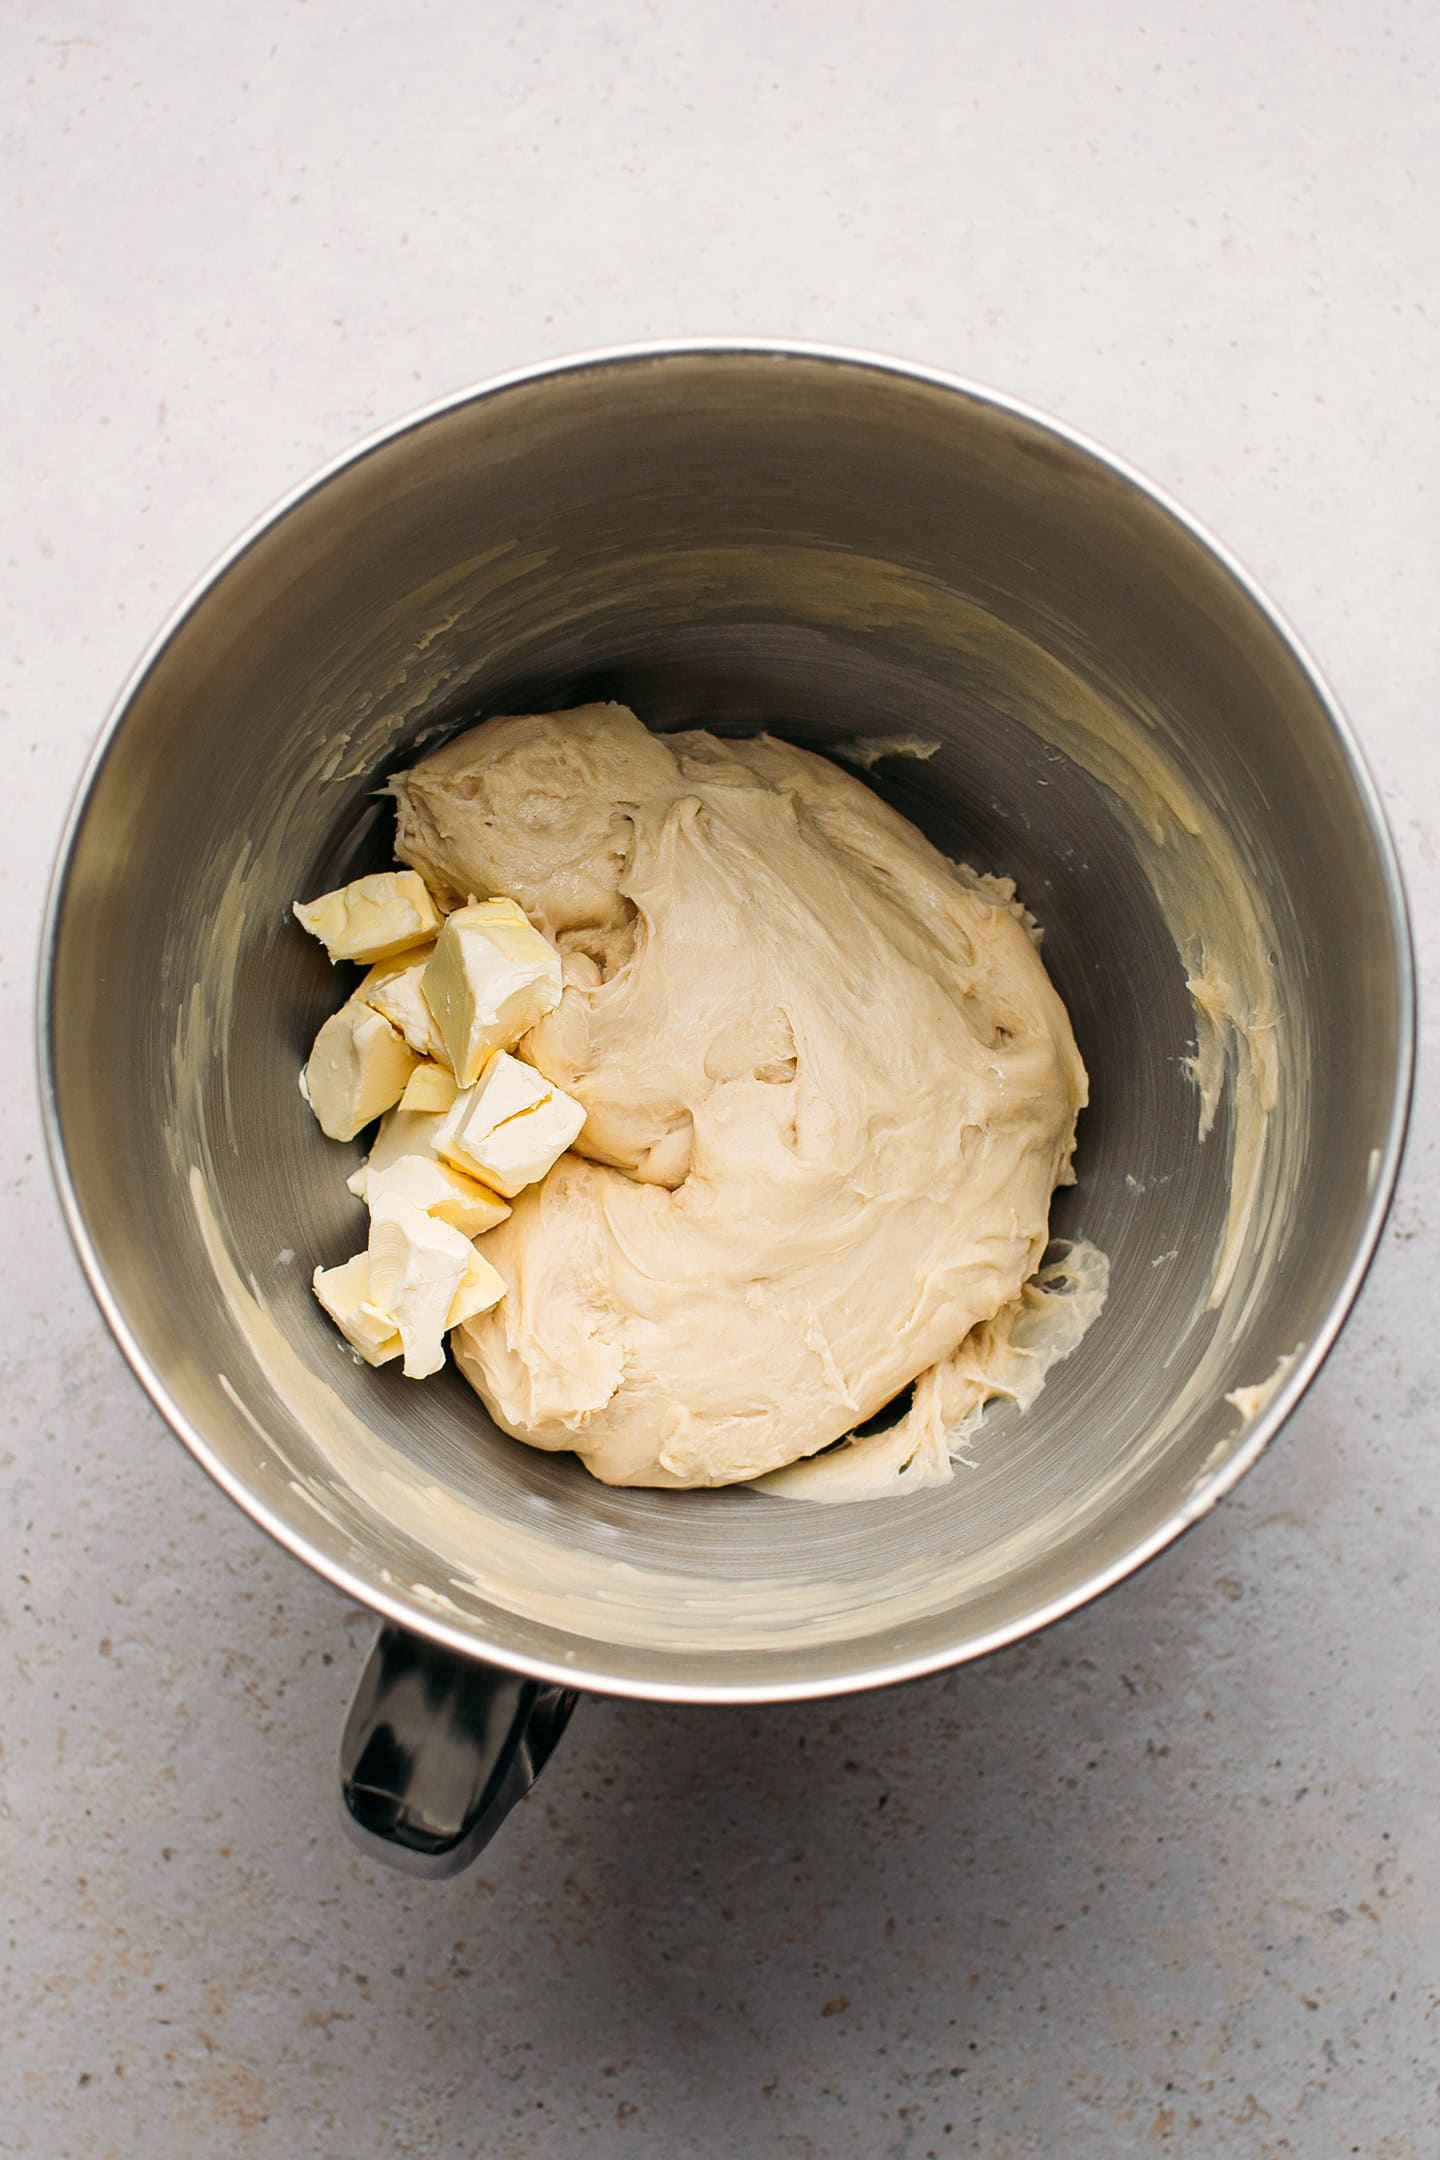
{"x":1162,"y":1881}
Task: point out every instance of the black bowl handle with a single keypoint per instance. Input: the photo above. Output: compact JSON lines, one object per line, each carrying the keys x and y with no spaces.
{"x":437,"y":1749}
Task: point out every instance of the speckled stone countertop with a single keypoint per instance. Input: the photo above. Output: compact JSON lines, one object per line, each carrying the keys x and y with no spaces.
{"x":1164,"y":1880}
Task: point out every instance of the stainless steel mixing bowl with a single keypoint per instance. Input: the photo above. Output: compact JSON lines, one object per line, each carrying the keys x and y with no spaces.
{"x":830,"y":546}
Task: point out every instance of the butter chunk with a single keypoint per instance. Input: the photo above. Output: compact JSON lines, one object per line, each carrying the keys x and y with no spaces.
{"x":417,"y":1267}
{"x":436,"y":1189}
{"x":482,"y":1287}
{"x":489,"y":979}
{"x":345,"y":1294}
{"x":404,"y":1132}
{"x":358,"y":1067}
{"x":372,"y":917}
{"x":430,"y":1087}
{"x":509,"y":1128}
{"x":392,"y":987}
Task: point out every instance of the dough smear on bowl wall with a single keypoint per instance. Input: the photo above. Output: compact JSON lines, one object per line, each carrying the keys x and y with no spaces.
{"x":828,"y":1089}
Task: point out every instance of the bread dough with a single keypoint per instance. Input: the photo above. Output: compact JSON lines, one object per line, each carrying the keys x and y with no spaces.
{"x":828,"y":1087}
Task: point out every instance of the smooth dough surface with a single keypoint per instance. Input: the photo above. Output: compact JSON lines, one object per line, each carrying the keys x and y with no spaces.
{"x":829,"y":1089}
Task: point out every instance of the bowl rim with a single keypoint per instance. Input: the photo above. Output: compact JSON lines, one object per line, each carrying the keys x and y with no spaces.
{"x":387,"y":1599}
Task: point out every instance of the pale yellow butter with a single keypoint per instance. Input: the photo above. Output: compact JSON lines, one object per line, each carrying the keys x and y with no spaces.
{"x":417,"y":1265}
{"x":373,"y":917}
{"x":430,"y":1087}
{"x":510,"y":1127}
{"x":489,"y":980}
{"x":415,"y":1269}
{"x":481,"y":1287}
{"x":344,"y":1292}
{"x":392,"y":987}
{"x":404,"y":1132}
{"x":437,"y":1189}
{"x":358,"y":1067}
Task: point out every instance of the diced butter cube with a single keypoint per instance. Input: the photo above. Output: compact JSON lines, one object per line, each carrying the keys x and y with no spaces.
{"x":436,"y":1189}
{"x":405,"y":1132}
{"x":393,"y":988}
{"x":358,"y":1066}
{"x":371,"y":917}
{"x":482,"y":1287}
{"x":417,"y":1265}
{"x":489,"y":979}
{"x":430,"y":1087}
{"x":509,"y":1128}
{"x":345,"y":1294}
